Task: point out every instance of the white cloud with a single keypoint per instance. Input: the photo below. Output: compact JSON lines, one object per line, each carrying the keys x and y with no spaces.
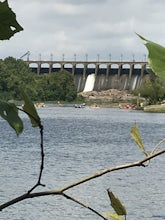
{"x":83,"y":26}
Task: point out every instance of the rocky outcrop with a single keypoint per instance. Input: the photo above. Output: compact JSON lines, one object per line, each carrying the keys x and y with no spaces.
{"x":111,"y":95}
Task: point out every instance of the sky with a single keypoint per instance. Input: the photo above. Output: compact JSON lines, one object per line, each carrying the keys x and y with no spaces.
{"x":80,"y":29}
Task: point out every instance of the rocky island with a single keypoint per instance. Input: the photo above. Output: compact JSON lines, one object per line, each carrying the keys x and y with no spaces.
{"x":111,"y":98}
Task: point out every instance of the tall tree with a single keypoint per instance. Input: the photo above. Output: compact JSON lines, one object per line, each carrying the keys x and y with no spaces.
{"x":15,"y":74}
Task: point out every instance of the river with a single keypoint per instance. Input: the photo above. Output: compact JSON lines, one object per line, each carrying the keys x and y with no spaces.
{"x":79,"y":142}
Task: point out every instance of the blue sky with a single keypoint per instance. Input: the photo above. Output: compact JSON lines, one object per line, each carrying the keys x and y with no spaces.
{"x":104,"y":27}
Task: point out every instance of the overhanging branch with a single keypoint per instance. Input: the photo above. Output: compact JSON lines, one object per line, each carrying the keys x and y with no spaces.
{"x":60,"y":191}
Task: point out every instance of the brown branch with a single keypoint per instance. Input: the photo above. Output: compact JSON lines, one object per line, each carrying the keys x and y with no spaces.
{"x":84,"y":205}
{"x":28,"y":196}
{"x":108,"y":170}
{"x":42,"y":151}
{"x":80,"y":181}
{"x":42,"y":161}
{"x":157,"y":145}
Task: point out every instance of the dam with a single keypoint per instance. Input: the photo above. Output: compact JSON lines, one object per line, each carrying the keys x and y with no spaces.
{"x":96,"y":75}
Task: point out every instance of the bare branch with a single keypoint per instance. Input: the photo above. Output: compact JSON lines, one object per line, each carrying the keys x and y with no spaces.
{"x":157,"y":145}
{"x":108,"y":170}
{"x":28,"y":196}
{"x":80,"y":181}
{"x":84,"y":205}
{"x":42,"y":152}
{"x":42,"y":161}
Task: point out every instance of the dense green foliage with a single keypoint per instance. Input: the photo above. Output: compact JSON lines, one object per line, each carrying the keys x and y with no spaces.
{"x":57,"y":86}
{"x":153,"y":90}
{"x":15,"y":74}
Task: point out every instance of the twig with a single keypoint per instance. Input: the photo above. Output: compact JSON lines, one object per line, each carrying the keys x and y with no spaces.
{"x":84,"y":205}
{"x":42,"y":162}
{"x":42,"y":152}
{"x":157,"y":145}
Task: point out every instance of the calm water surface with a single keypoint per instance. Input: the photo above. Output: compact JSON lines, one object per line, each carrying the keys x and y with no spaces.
{"x":78,"y":142}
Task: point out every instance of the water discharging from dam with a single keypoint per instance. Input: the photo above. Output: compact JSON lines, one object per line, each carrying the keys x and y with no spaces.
{"x":90,"y":82}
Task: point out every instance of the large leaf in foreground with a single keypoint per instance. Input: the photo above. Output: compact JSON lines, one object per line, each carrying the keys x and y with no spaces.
{"x":8,"y":23}
{"x":137,"y":138}
{"x":9,"y":112}
{"x":156,"y":57}
{"x":116,"y":204}
{"x":31,"y":111}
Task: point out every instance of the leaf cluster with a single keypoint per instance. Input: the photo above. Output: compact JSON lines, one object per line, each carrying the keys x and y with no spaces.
{"x":10,"y":113}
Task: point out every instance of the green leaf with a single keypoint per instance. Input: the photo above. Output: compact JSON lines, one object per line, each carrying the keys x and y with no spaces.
{"x":8,"y":23}
{"x":137,"y":138}
{"x":116,"y":204}
{"x":113,"y":215}
{"x":156,"y":57}
{"x":31,"y":111}
{"x":9,"y":112}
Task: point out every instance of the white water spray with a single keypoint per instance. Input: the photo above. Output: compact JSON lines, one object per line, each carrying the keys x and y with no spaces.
{"x":134,"y":82}
{"x":90,"y":82}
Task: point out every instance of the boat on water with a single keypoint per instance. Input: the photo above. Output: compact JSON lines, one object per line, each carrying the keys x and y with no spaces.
{"x":59,"y":104}
{"x":128,"y":106}
{"x":79,"y":105}
{"x":39,"y":105}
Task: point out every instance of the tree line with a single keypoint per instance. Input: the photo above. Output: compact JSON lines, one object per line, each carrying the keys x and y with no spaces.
{"x":15,"y":74}
{"x":153,"y":89}
{"x":58,"y":86}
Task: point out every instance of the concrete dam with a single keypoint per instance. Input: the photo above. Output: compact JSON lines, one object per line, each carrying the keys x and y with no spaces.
{"x":97,"y":76}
